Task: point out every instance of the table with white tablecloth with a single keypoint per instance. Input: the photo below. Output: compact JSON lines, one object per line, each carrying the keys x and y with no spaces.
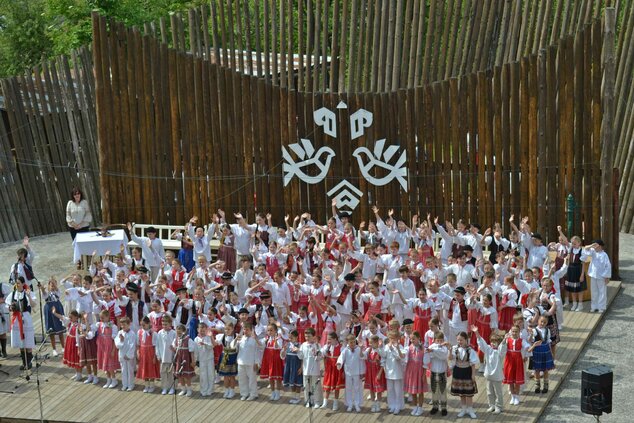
{"x":88,"y":242}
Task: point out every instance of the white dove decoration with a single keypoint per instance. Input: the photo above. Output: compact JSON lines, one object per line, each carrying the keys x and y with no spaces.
{"x":381,"y":159}
{"x":313,"y":166}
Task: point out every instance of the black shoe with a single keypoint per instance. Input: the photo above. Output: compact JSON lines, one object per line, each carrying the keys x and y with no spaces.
{"x":433,"y":411}
{"x":22,"y":367}
{"x":444,"y":412}
{"x":538,"y":390}
{"x":545,"y":390}
{"x":3,"y":354}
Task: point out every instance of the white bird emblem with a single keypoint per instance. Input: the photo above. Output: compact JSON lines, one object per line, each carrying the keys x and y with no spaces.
{"x":397,"y":170}
{"x":311,"y":162}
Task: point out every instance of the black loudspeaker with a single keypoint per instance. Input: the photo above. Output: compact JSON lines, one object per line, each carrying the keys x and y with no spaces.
{"x":596,"y":390}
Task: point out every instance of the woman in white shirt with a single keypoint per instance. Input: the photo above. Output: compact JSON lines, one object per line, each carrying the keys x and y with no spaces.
{"x":78,"y":216}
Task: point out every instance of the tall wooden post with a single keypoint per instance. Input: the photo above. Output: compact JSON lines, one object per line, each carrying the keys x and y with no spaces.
{"x":607,"y":134}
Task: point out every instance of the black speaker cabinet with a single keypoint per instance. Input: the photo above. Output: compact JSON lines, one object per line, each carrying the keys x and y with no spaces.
{"x":596,"y":390}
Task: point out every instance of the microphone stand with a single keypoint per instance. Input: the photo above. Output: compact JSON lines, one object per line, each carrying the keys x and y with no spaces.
{"x":38,"y":363}
{"x":39,"y":291}
{"x":175,"y":404}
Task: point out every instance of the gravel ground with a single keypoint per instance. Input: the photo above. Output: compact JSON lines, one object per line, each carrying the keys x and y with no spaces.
{"x":611,"y":345}
{"x":608,"y":345}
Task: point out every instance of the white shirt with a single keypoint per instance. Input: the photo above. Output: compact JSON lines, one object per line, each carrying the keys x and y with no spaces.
{"x":392,"y":362}
{"x":203,"y":349}
{"x":600,"y":267}
{"x":241,"y":281}
{"x":352,"y":361}
{"x":248,"y":351}
{"x":493,"y":360}
{"x":201,"y":245}
{"x":243,"y":238}
{"x":127,"y":347}
{"x":474,"y":240}
{"x":164,"y":340}
{"x":536,"y":255}
{"x":153,"y":255}
{"x":405,"y":286}
{"x":464,"y":274}
{"x":310,"y":354}
{"x":436,"y":359}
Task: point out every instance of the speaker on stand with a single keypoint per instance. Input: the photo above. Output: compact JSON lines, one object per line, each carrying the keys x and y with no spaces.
{"x":596,"y":391}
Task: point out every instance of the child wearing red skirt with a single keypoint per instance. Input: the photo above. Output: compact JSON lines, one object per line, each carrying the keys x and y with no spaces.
{"x":107,"y":359}
{"x":374,"y":376}
{"x":87,"y":350}
{"x":272,"y":367}
{"x":514,"y":363}
{"x":183,"y":348}
{"x":422,"y":309}
{"x":415,"y":378}
{"x":508,"y":305}
{"x":486,"y":322}
{"x":71,"y":348}
{"x":149,"y":369}
{"x":334,"y":379}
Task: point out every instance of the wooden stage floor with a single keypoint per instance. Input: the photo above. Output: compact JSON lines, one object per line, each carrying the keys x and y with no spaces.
{"x":66,"y":401}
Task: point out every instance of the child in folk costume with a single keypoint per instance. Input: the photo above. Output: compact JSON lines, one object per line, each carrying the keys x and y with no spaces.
{"x":227,"y":365}
{"x":204,"y":352}
{"x":548,"y":307}
{"x":542,"y":357}
{"x":310,"y":354}
{"x":494,"y":357}
{"x":126,"y":342}
{"x":352,"y":362}
{"x":156,"y":315}
{"x":415,"y":378}
{"x":272,"y":363}
{"x":21,"y":302}
{"x":149,"y":367}
{"x":71,"y":349}
{"x":54,"y":326}
{"x":393,"y":358}
{"x":508,"y":305}
{"x":183,"y":348}
{"x":165,"y":355}
{"x":248,"y":349}
{"x":575,"y":279}
{"x":303,"y":321}
{"x":423,"y":310}
{"x":5,"y":318}
{"x":105,"y":332}
{"x":599,"y":272}
{"x":331,"y":321}
{"x":486,"y":322}
{"x":463,"y":383}
{"x":514,"y":363}
{"x":374,"y":303}
{"x":292,"y":378}
{"x":334,"y":378}
{"x":374,"y":374}
{"x":436,"y":360}
{"x":457,"y":315}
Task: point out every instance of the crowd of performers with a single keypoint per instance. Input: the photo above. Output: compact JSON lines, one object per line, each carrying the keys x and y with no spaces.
{"x":372,"y":309}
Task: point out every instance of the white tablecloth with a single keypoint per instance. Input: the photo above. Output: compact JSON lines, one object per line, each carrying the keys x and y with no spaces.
{"x":87,"y":242}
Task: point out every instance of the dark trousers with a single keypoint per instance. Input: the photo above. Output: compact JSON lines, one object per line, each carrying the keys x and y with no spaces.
{"x":74,"y":232}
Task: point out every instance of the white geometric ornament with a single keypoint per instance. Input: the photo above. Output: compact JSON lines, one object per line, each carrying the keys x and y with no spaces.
{"x":346,"y":194}
{"x":327,"y":119}
{"x":360,"y":120}
{"x":381,"y":159}
{"x":312,"y":167}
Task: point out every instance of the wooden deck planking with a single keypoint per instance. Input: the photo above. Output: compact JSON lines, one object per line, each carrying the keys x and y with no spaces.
{"x":71,"y":401}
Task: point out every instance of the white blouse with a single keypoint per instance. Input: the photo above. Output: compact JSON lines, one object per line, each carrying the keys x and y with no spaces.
{"x":78,"y":214}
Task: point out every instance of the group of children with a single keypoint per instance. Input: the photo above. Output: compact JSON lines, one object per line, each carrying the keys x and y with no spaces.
{"x":393,"y":317}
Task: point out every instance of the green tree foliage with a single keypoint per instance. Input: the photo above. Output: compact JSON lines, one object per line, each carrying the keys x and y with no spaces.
{"x":23,"y":38}
{"x":33,"y":30}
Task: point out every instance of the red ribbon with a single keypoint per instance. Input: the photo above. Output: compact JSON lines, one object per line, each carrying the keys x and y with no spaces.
{"x":17,"y":315}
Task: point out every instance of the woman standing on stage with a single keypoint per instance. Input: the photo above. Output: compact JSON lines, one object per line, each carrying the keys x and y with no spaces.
{"x":21,"y":301}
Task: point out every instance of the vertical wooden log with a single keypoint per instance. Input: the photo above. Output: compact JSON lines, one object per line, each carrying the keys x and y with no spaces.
{"x":607,"y":134}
